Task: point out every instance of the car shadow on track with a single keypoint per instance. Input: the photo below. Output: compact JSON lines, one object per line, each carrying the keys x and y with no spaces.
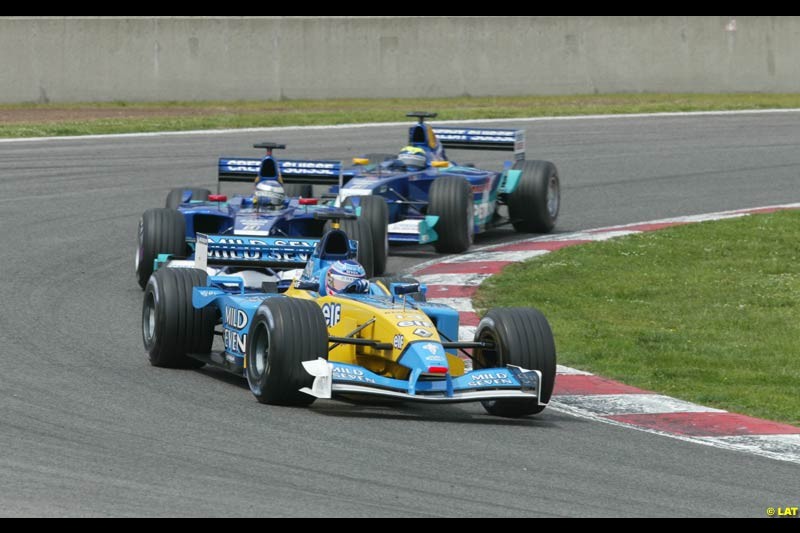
{"x":435,"y":413}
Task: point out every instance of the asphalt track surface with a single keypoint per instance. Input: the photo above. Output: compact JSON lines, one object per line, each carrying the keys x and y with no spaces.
{"x":89,"y":428}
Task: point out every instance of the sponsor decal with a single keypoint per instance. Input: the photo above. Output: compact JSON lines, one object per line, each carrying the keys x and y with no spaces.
{"x":310,"y":168}
{"x":332,"y":313}
{"x":430,"y":347}
{"x":487,"y":379}
{"x":399,"y":340}
{"x":234,"y":165}
{"x":434,"y":358}
{"x":208,"y":292}
{"x":235,"y":318}
{"x":421,"y":332}
{"x":259,"y":254}
{"x":410,"y":323}
{"x":350,"y":374}
{"x":234,"y":341}
{"x":482,"y":210}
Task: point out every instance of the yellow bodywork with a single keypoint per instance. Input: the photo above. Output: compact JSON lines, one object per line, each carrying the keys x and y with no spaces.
{"x":394,"y":326}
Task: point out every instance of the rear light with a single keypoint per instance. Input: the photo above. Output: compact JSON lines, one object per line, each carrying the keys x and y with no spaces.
{"x":217,"y":197}
{"x":307,"y":201}
{"x":437,"y":370}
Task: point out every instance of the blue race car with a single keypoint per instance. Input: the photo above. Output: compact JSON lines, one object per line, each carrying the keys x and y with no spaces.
{"x":332,"y":335}
{"x":170,"y":232}
{"x":432,"y":199}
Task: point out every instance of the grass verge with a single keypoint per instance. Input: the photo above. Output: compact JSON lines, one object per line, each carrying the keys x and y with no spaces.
{"x":706,"y":312}
{"x":42,"y":120}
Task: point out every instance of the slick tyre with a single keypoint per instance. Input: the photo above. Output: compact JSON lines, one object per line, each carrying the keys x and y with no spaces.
{"x":376,"y":213}
{"x":450,"y":198}
{"x":522,"y":337}
{"x":175,"y":195}
{"x":533,"y":206}
{"x":360,"y":231}
{"x":284,"y":333}
{"x":171,"y":327}
{"x":386,"y":282}
{"x":161,"y":231}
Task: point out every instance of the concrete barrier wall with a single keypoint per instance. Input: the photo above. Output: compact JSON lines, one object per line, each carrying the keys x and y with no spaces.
{"x":66,"y":59}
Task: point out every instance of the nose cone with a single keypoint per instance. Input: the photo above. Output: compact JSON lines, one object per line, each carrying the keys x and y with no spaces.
{"x":427,"y":356}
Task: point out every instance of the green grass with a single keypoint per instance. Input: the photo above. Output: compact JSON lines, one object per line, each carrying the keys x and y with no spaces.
{"x":707,"y":312}
{"x":176,"y":116}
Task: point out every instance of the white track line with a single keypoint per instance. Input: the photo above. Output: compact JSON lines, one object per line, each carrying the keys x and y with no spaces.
{"x":389,"y":124}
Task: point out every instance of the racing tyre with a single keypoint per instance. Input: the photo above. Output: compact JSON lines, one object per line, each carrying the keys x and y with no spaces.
{"x":534,"y":204}
{"x":175,"y":195}
{"x":522,"y":337}
{"x":284,"y":333}
{"x":450,"y":198}
{"x":375,"y":211}
{"x":171,"y":327}
{"x":359,"y":230}
{"x":161,"y":231}
{"x":386,"y":282}
{"x":297,"y":190}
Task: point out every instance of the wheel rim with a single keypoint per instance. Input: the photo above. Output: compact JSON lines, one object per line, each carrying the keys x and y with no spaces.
{"x":149,"y":319}
{"x":553,"y":196}
{"x":486,"y":357}
{"x":261,"y":351}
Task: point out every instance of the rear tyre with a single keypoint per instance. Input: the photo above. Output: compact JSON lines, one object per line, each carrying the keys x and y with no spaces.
{"x":285,"y":332}
{"x":161,"y":231}
{"x":386,"y":282}
{"x":171,"y":326}
{"x":523,"y":338}
{"x":450,"y":198}
{"x":175,"y":195}
{"x":534,"y":204}
{"x":375,"y":211}
{"x":360,"y":231}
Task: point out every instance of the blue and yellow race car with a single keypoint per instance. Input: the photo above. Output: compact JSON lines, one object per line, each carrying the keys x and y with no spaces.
{"x":376,"y":338}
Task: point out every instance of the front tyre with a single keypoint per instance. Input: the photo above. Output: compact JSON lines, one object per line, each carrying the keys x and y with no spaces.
{"x":359,"y":230}
{"x":450,"y":198}
{"x":161,"y":231}
{"x":175,"y":196}
{"x":534,"y":205}
{"x":171,"y":327}
{"x":376,"y":213}
{"x":284,"y":333}
{"x":521,"y":337}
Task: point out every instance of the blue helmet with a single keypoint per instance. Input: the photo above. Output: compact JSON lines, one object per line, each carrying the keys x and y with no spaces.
{"x":344,"y":273}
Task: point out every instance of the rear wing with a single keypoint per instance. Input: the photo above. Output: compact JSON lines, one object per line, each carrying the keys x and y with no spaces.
{"x":483,"y":139}
{"x":314,"y":172}
{"x":253,"y":252}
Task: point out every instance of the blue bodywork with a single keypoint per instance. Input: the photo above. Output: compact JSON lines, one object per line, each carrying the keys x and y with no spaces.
{"x":241,"y":215}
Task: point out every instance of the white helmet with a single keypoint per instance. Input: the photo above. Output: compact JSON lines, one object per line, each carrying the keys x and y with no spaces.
{"x":270,"y":193}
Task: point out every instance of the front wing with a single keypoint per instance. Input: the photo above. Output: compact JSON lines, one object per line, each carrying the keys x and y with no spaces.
{"x":331,"y":379}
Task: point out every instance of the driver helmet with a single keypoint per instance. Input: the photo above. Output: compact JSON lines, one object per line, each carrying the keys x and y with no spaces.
{"x":342,"y":274}
{"x":413,"y":157}
{"x":269,"y":193}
